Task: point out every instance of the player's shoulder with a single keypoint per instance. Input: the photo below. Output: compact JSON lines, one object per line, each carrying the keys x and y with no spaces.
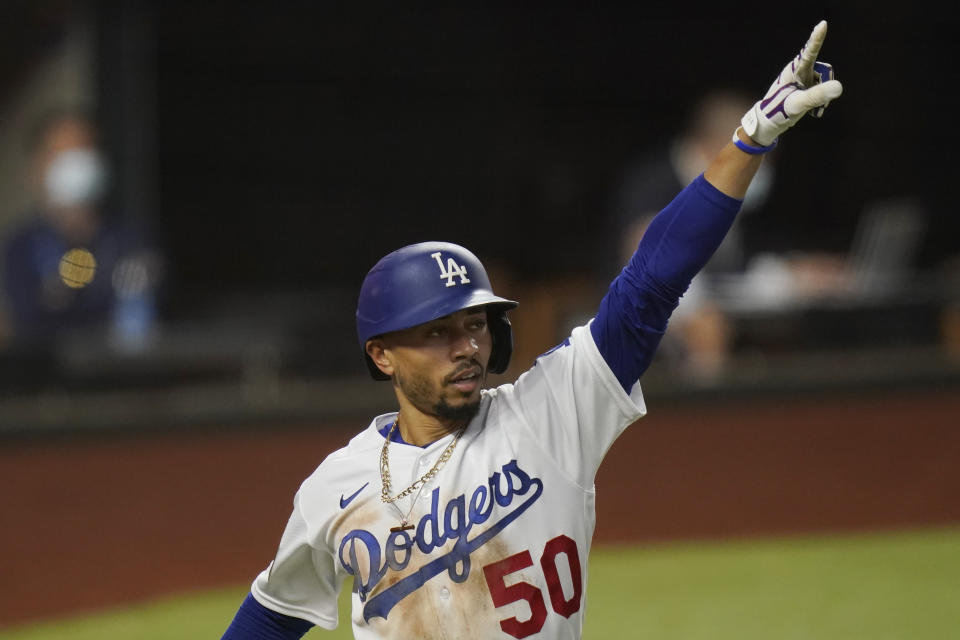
{"x":573,"y":366}
{"x":545,"y":361}
{"x":345,"y":458}
{"x":578,"y":344}
{"x":369,"y":438}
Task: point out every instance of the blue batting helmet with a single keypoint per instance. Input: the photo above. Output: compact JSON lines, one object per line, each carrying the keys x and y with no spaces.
{"x":423,"y":282}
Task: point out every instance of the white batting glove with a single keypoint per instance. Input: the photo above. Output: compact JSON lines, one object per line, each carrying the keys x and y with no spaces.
{"x":804,"y":85}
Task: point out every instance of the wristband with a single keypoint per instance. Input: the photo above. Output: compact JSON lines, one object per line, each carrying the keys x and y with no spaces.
{"x":752,"y":150}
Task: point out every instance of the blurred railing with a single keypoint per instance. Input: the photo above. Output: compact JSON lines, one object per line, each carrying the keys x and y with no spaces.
{"x":292,"y":358}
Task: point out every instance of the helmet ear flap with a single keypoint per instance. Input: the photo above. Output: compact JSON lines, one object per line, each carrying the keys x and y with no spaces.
{"x":502,"y":334}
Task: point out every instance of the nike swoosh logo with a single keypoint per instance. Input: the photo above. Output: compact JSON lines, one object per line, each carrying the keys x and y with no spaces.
{"x":345,"y":501}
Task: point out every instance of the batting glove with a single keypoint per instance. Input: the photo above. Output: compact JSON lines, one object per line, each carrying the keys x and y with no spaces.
{"x":803,"y":86}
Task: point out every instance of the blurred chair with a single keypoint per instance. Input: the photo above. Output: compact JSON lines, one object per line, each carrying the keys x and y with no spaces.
{"x":886,"y":242}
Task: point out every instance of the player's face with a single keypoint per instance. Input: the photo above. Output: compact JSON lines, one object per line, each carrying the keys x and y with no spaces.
{"x":440,"y":366}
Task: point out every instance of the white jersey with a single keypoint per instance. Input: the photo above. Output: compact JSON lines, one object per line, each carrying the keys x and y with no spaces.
{"x":502,"y":532}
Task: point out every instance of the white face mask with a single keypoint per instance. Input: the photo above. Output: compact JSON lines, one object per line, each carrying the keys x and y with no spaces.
{"x":75,"y":177}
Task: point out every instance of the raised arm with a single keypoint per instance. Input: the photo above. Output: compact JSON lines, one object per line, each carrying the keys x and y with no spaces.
{"x":804,"y":86}
{"x":681,"y":239}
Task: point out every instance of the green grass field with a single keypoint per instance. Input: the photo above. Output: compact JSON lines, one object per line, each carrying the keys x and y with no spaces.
{"x":904,"y":585}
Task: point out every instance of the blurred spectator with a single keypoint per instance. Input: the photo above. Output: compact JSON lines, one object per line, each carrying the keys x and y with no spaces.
{"x":650,"y":184}
{"x":70,"y":265}
{"x":700,"y":334}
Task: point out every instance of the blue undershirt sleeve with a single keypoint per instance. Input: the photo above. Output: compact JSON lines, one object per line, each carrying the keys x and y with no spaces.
{"x":678,"y":243}
{"x":256,"y":622}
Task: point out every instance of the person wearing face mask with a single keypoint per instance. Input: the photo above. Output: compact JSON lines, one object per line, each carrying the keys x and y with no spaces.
{"x":71,"y":266}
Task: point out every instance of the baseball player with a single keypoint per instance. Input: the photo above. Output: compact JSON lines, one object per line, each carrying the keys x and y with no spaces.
{"x":469,"y":512}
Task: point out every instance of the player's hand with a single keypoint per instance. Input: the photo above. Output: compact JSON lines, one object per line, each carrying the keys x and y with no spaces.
{"x":803,"y":86}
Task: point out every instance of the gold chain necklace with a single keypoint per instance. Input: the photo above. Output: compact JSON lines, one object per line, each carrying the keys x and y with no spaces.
{"x":385,"y":474}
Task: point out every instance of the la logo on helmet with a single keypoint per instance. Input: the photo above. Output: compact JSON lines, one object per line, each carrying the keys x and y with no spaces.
{"x":451,"y":271}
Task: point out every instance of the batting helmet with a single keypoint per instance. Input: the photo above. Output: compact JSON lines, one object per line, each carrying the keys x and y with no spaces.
{"x":423,"y":282}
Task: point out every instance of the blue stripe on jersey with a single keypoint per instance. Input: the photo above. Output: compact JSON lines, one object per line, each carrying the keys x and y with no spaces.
{"x":255,"y":622}
{"x":396,"y":437}
{"x":565,"y":343}
{"x":678,"y":243}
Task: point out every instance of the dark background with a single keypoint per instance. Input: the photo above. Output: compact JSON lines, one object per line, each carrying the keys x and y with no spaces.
{"x":278,"y":149}
{"x":292,"y":144}
{"x":298,"y":142}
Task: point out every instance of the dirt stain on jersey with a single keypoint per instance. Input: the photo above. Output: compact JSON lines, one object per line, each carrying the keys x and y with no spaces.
{"x":443,"y":609}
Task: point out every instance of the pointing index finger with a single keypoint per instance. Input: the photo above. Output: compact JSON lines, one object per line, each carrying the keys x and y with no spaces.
{"x":809,"y":53}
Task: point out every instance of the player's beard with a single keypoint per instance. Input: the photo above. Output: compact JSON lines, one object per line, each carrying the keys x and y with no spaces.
{"x":420,"y":392}
{"x":460,"y":414}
